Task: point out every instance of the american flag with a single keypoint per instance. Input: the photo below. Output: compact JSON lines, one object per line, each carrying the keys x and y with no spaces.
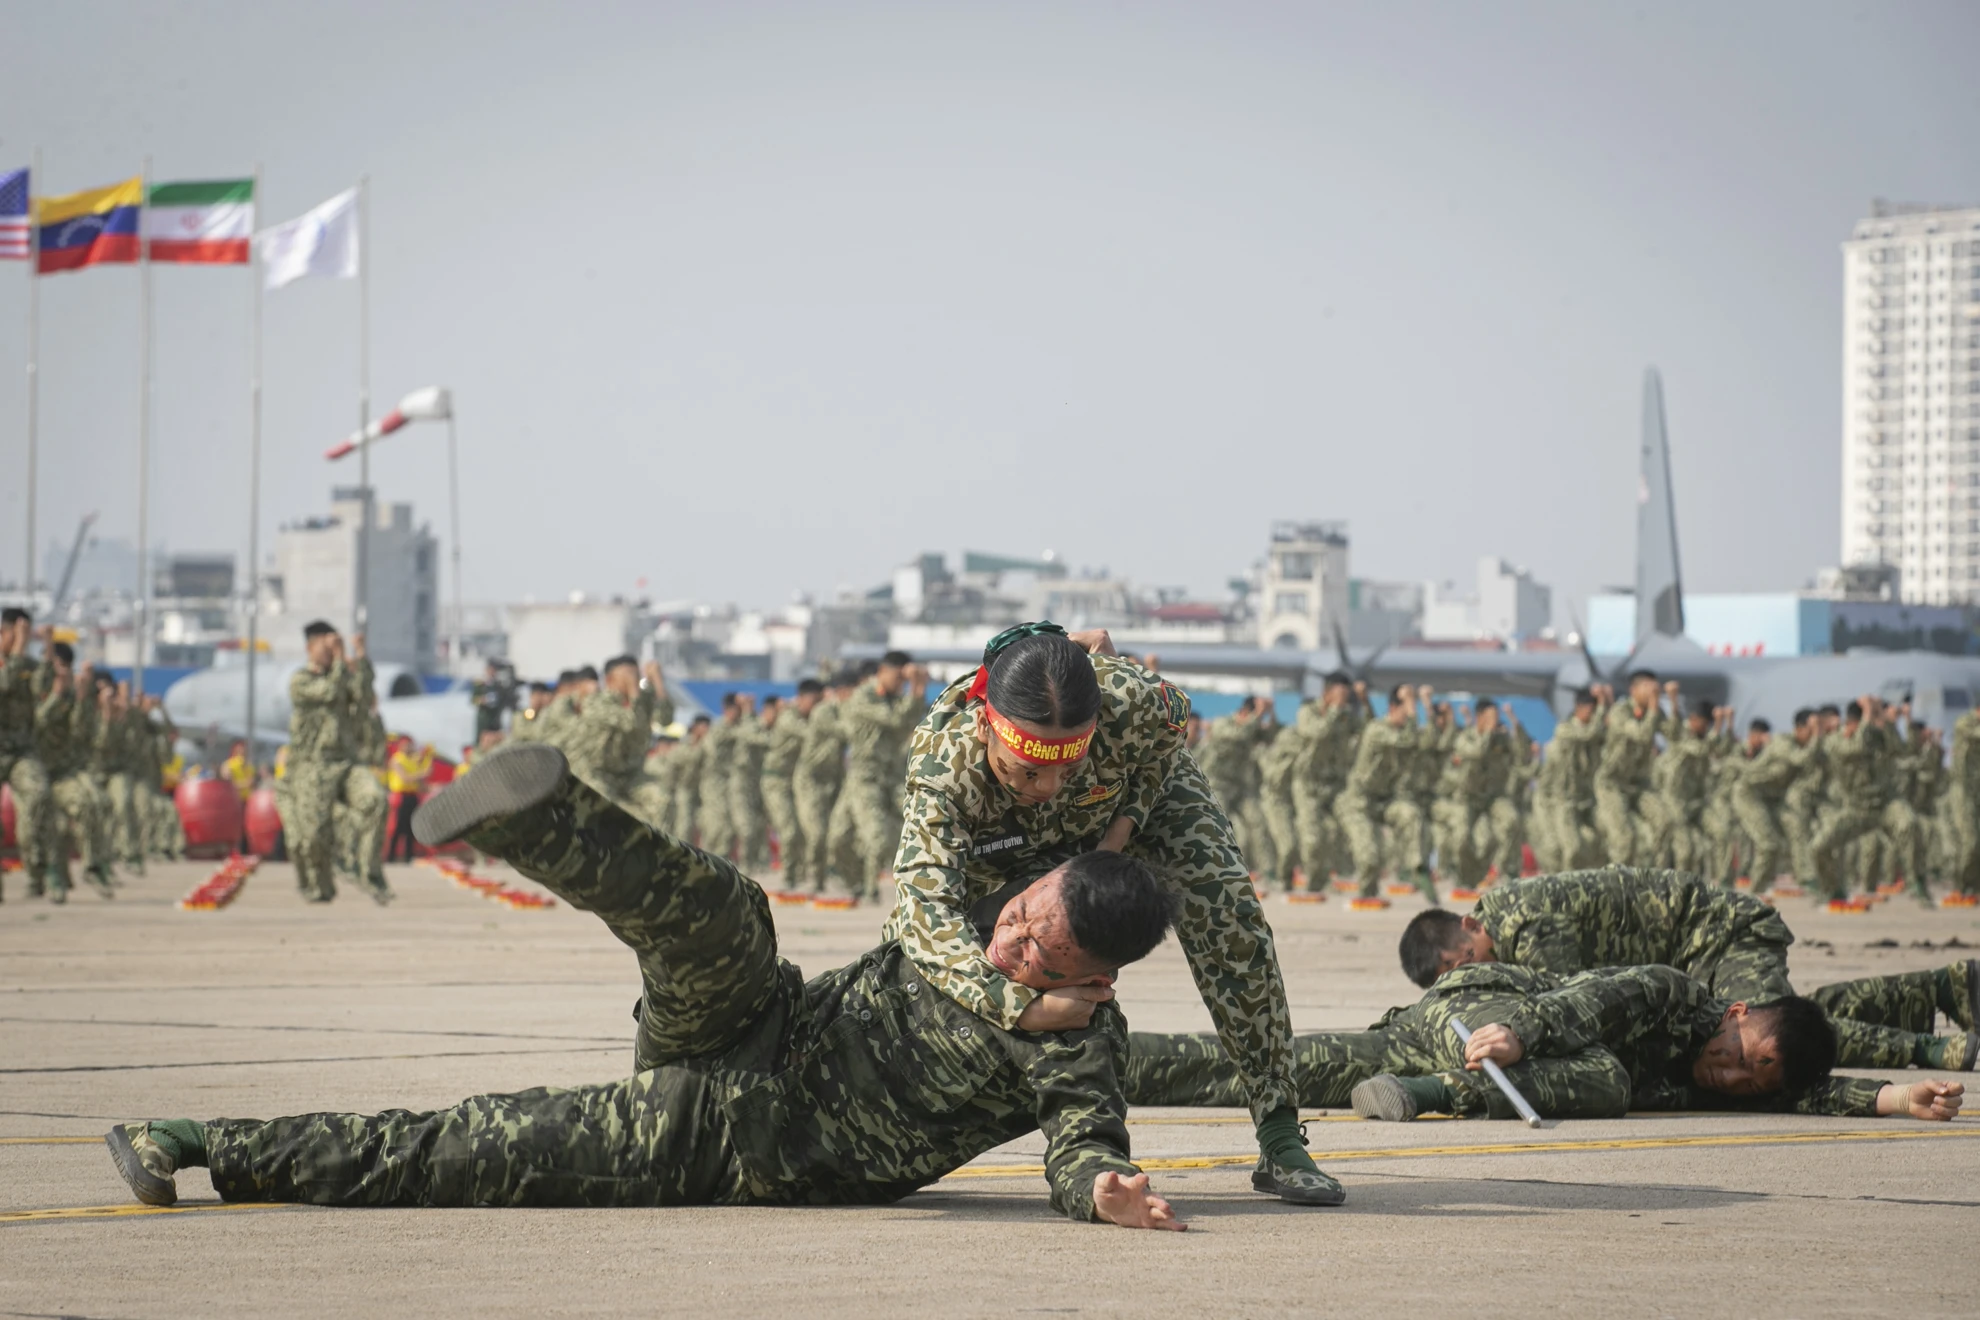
{"x":14,"y":216}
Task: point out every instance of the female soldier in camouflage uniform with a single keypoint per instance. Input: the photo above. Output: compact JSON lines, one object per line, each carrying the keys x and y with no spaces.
{"x":1045,"y":752}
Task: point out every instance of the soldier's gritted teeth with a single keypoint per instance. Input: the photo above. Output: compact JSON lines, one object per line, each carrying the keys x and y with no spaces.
{"x":1033,"y":942}
{"x":1033,"y":784}
{"x":1742,"y":1058}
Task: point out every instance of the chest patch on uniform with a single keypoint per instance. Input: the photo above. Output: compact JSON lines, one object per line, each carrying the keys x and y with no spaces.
{"x":1098,"y":793}
{"x":1004,"y":843}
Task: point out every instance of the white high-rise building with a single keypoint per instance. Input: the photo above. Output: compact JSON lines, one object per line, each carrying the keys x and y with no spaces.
{"x":1911,"y":399}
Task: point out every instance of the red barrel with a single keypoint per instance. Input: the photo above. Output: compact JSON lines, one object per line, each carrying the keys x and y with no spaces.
{"x":211,"y":812}
{"x":264,"y":823}
{"x":6,"y":816}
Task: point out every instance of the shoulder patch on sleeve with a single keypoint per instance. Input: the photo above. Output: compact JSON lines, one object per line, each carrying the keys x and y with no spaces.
{"x":1175,"y":704}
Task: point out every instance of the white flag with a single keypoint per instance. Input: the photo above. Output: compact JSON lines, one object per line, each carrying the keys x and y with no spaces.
{"x":322,"y":242}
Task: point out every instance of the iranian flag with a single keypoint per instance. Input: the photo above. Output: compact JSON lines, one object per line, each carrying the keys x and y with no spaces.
{"x":206,"y":223}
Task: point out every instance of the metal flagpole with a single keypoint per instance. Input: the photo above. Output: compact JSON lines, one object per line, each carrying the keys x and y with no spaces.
{"x":33,"y":368}
{"x":454,"y":517}
{"x":363,"y":592}
{"x":143,"y":613}
{"x":254,"y":468}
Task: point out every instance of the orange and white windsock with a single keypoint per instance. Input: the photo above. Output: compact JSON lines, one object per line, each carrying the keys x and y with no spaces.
{"x":432,"y":404}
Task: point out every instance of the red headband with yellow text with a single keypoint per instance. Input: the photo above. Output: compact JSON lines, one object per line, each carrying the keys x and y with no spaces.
{"x":1028,"y":746}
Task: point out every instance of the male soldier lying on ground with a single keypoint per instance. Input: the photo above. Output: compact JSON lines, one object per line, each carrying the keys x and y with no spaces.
{"x":1623,"y":916}
{"x":1594,"y":1045}
{"x":754,"y":1086}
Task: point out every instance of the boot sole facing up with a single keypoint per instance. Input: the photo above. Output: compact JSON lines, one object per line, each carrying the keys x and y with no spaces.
{"x":507,"y":780}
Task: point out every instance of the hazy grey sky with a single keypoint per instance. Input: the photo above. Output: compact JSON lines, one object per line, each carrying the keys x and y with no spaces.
{"x":749,"y":298}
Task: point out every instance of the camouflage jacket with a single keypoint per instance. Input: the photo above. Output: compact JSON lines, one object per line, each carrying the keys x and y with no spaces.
{"x":1382,"y":760}
{"x":1655,"y":1020}
{"x":327,"y":712}
{"x":20,"y":679}
{"x":1769,"y":775}
{"x":1327,"y":738}
{"x":527,"y":726}
{"x":607,"y":741}
{"x":752,"y":747}
{"x":65,"y":731}
{"x":1276,"y":752}
{"x":1433,"y":753}
{"x":787,"y":735}
{"x":1966,"y":755}
{"x":109,"y":747}
{"x":1629,"y":745}
{"x":1479,"y":765}
{"x":1621,"y":915}
{"x":1688,"y":780}
{"x":883,"y":1086}
{"x":1859,"y":767}
{"x":1576,"y":749}
{"x":875,"y":729}
{"x":962,"y":825}
{"x":1227,"y":760}
{"x":558,"y":720}
{"x":822,"y":759}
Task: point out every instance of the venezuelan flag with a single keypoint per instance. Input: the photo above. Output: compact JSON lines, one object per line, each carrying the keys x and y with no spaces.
{"x":89,"y":228}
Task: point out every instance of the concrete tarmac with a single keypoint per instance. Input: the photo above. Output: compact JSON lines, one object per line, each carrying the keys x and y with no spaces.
{"x":133,"y":1008}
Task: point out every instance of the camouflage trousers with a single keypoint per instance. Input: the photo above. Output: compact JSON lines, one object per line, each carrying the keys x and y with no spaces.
{"x":22,"y":772}
{"x":1722,"y":840}
{"x":780,"y":805}
{"x":746,"y":811}
{"x":815,"y":799}
{"x":1839,"y":828}
{"x":1766,"y":837}
{"x":315,"y":791}
{"x":1275,"y":805}
{"x":684,"y":812}
{"x":715,"y":820}
{"x":1962,"y":815}
{"x":864,"y":832}
{"x":165,"y":832}
{"x":1464,"y":840}
{"x":1906,"y":1003}
{"x":1362,"y":819}
{"x":1634,"y":825}
{"x":119,"y":792}
{"x":1322,"y":843}
{"x":1254,"y":836}
{"x":714,"y":1001}
{"x":76,"y":808}
{"x":1686,"y":846}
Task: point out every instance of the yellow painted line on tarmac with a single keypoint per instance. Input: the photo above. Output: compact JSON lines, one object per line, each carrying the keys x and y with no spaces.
{"x":132,"y":1211}
{"x":1310,"y":1118}
{"x":1324,"y":1157}
{"x":51,"y":1141}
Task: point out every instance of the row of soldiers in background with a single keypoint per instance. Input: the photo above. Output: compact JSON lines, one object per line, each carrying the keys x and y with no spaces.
{"x":91,"y":770}
{"x":824,"y":770}
{"x":1649,"y":781}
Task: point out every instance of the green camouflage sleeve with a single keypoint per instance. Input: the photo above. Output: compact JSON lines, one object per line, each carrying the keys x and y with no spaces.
{"x":363,"y":682}
{"x":1608,"y":1007}
{"x":659,"y":709}
{"x":309,"y":688}
{"x":931,"y":914}
{"x":1081,"y":1109}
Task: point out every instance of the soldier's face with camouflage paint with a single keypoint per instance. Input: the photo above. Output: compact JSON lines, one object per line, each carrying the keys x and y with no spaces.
{"x":1473,"y":945}
{"x":1033,"y":943}
{"x":1742,"y":1059}
{"x":1035,"y":785}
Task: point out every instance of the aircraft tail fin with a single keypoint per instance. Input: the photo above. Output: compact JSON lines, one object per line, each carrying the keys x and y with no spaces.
{"x":1659,"y":587}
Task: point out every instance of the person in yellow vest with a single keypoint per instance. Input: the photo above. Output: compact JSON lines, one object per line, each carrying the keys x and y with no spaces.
{"x":238,"y":770}
{"x":405,"y":776}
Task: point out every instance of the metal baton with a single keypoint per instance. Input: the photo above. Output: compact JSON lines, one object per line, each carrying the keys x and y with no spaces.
{"x":1500,"y":1080}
